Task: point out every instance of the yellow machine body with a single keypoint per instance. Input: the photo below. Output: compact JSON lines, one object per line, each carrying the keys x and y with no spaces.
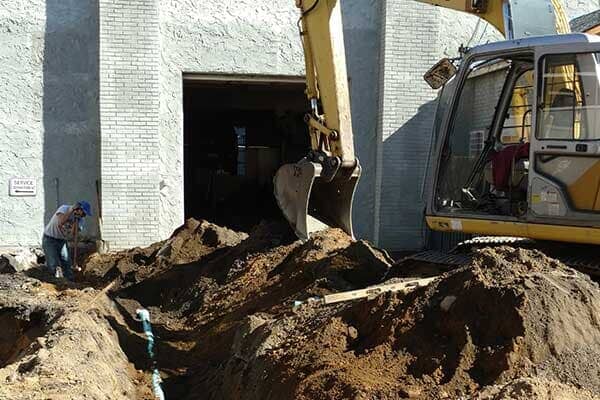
{"x":554,"y":190}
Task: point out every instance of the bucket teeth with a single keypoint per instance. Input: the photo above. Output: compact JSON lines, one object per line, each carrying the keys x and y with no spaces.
{"x":311,"y":203}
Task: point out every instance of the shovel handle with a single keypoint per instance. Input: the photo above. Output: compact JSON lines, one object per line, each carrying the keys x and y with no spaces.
{"x":75,"y":246}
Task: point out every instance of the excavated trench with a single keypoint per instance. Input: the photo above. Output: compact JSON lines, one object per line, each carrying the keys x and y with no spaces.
{"x":505,"y":326}
{"x":201,"y":285}
{"x":18,"y":332}
{"x":225,"y":326}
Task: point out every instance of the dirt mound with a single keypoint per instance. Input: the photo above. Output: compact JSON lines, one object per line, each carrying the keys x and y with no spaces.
{"x":200,"y":307}
{"x":510,"y":314}
{"x":511,"y":324}
{"x":535,"y":388}
{"x":265,"y":272}
{"x":195,"y":239}
{"x":189,"y":243}
{"x":208,"y":290}
{"x":57,"y":343}
{"x":247,"y":281}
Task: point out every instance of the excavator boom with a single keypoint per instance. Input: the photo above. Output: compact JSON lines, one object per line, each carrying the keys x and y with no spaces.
{"x":514,"y":18}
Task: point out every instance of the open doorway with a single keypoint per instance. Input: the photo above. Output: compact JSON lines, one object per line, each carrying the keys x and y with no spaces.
{"x":237,"y":132}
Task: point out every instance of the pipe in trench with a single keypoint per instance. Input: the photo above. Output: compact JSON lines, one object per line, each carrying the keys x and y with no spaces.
{"x":144,"y":316}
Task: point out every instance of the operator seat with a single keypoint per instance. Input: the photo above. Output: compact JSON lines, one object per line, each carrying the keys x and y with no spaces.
{"x":502,"y":166}
{"x":560,"y":118}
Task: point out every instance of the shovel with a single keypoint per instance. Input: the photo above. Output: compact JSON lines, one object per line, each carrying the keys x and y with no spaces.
{"x":101,"y":245}
{"x":76,"y":266}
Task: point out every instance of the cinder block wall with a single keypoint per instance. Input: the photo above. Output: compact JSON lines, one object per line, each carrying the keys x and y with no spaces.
{"x":129,"y":118}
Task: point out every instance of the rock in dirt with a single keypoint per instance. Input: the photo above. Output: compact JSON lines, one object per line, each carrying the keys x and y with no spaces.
{"x":19,"y":259}
{"x":5,"y":266}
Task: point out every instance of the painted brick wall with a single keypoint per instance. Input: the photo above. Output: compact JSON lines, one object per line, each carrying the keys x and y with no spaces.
{"x":129,"y":104}
{"x":407,"y":106}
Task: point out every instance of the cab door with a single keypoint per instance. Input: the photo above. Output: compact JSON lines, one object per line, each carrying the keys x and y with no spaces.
{"x":565,"y":150}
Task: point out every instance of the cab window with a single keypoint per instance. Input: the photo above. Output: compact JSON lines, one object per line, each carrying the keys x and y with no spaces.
{"x":517,"y":124}
{"x":570,"y":97}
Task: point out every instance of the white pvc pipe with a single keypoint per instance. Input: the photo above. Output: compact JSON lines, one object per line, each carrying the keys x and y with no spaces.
{"x":144,"y":316}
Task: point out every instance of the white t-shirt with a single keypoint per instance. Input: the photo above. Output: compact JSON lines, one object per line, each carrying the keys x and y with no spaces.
{"x":53,"y":229}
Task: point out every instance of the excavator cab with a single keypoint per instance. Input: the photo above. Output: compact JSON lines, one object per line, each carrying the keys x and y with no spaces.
{"x":519,"y":148}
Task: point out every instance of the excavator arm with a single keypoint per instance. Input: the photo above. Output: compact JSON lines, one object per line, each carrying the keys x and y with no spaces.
{"x":318,"y":191}
{"x":329,"y":122}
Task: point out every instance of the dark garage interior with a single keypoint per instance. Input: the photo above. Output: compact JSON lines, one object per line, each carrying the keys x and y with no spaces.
{"x":237,"y":132}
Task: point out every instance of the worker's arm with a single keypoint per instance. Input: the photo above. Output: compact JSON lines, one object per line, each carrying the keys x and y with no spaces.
{"x":64,"y":217}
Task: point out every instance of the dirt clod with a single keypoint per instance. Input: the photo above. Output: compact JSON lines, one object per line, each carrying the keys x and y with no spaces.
{"x":190,"y":242}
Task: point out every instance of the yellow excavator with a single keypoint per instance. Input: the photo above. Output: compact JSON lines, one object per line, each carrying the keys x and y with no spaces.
{"x":516,"y":141}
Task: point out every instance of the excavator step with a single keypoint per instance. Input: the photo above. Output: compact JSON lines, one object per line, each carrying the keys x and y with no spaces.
{"x":440,"y":257}
{"x":580,"y":257}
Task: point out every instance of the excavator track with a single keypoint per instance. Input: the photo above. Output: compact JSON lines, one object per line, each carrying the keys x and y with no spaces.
{"x":584,"y":258}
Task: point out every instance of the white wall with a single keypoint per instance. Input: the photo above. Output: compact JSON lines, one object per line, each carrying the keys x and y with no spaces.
{"x":48,"y":110}
{"x":214,"y":37}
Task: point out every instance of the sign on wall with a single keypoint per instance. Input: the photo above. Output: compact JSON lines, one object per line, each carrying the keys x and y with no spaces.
{"x":22,"y":187}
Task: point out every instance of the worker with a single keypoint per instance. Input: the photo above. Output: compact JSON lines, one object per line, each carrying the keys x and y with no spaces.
{"x":63,"y":225}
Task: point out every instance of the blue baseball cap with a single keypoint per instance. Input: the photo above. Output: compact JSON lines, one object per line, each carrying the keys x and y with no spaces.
{"x":85,"y":206}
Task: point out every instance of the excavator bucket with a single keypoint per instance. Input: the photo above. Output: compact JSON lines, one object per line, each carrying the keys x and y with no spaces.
{"x":310,"y":203}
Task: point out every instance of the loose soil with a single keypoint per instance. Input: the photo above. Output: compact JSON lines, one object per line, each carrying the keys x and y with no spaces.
{"x":513,"y":324}
{"x":189,"y":243}
{"x":57,"y":343}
